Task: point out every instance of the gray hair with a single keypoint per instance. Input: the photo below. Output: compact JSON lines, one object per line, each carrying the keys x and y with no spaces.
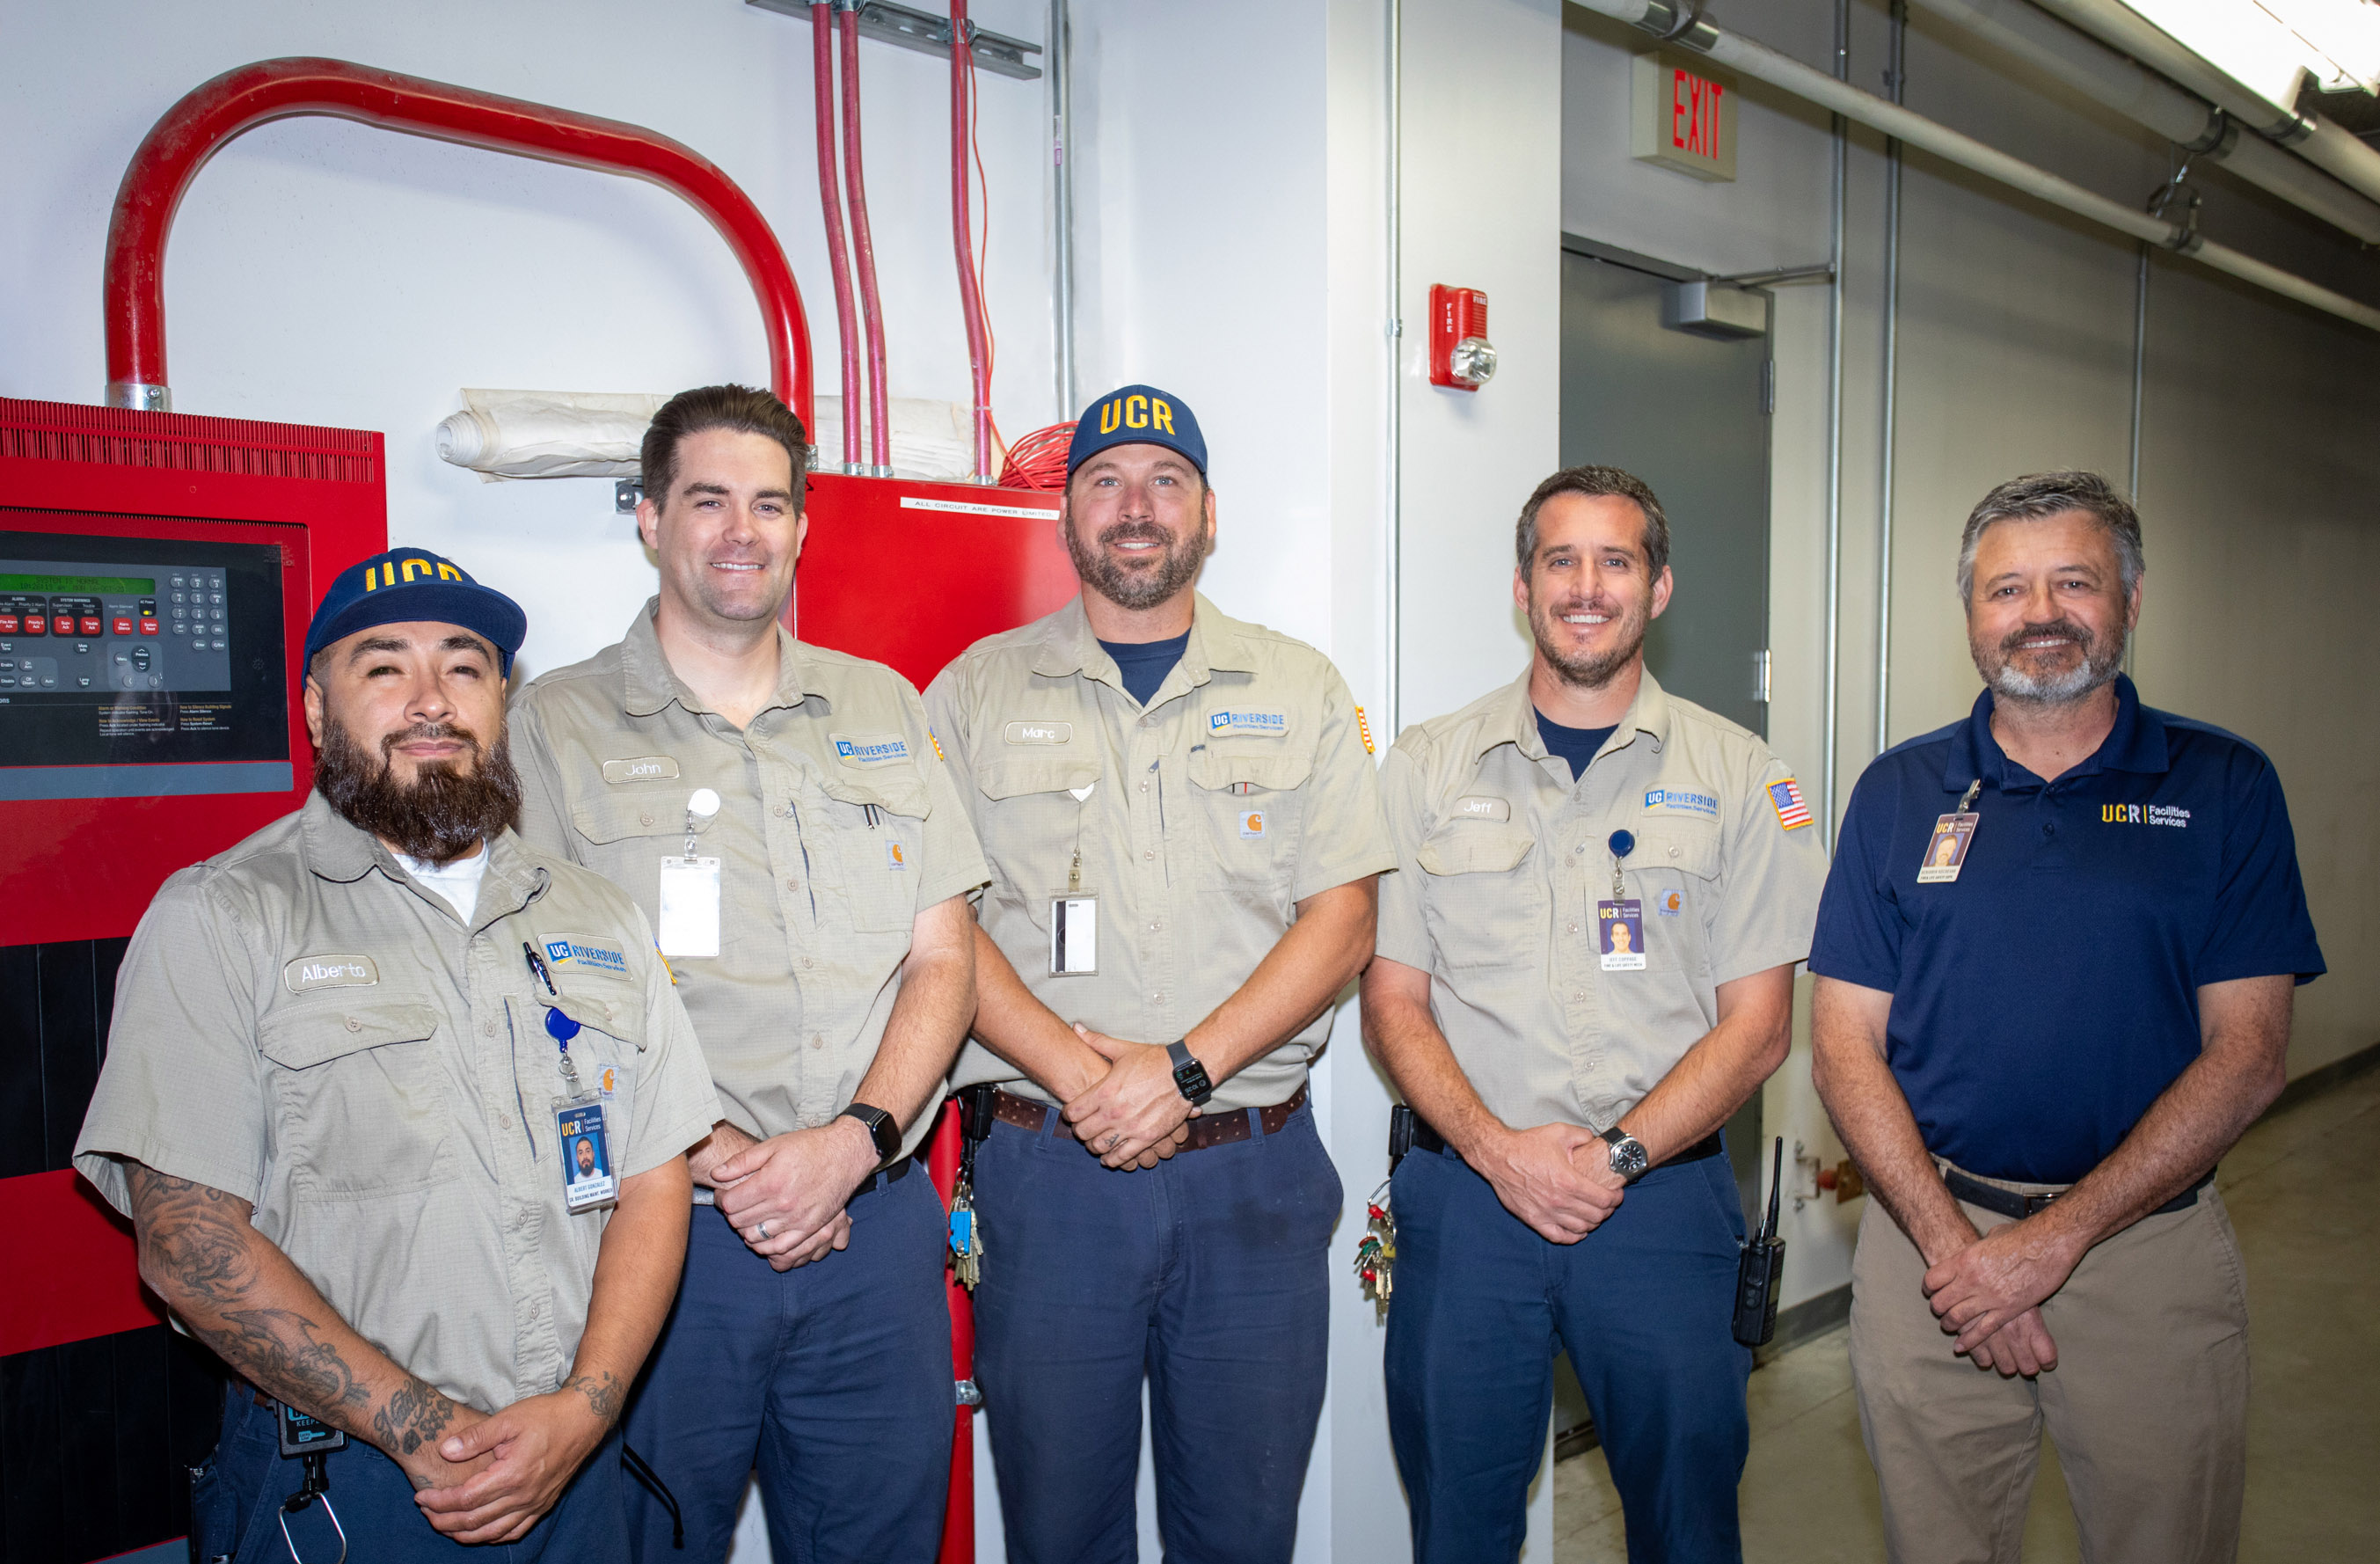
{"x":1591,"y":481}
{"x":2042,"y":494}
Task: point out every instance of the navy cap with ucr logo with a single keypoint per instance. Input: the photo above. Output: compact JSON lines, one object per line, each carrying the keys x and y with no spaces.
{"x":405,"y":585}
{"x":1138,"y":414}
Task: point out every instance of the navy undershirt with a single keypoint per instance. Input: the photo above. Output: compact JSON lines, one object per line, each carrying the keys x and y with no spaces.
{"x":1144,"y":664}
{"x":1576,"y":746}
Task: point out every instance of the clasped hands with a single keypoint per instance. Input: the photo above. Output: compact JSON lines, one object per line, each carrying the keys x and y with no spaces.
{"x":490,"y":1478}
{"x":787,"y":1195}
{"x":1542,"y":1178}
{"x":1132,"y":1115}
{"x":1989,"y":1292}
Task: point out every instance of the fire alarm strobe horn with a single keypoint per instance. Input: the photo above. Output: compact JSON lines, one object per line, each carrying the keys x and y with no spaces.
{"x":1460,"y":356}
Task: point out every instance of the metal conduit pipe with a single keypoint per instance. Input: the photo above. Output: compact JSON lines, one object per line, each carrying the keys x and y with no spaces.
{"x":2313,"y":138}
{"x":1665,"y":17}
{"x":179,"y":145}
{"x":2143,"y":96}
{"x":862,"y":255}
{"x":831,"y":202}
{"x":962,"y":235}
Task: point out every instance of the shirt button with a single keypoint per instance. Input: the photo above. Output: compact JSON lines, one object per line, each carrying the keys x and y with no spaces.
{"x":1573,"y":928}
{"x":1149,"y":854}
{"x":793,"y":885}
{"x":1144,"y":787}
{"x":783,"y":809}
{"x":808,"y":963}
{"x":646,"y":818}
{"x":818,"y":1040}
{"x":354,"y":1025}
{"x":487,"y":1028}
{"x":1156,"y":999}
{"x":503,"y":1121}
{"x":1673,"y":850}
{"x":1156,"y":927}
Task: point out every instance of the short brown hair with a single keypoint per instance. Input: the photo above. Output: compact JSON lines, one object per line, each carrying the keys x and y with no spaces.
{"x":738,"y":409}
{"x":1593,"y":480}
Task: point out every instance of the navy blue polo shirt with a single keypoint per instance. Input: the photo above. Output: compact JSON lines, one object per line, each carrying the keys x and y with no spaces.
{"x":2043,"y":999}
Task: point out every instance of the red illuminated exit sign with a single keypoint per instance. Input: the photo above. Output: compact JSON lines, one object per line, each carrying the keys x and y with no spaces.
{"x":1682,"y":114}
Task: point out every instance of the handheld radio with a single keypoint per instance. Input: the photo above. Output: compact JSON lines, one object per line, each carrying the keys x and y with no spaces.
{"x":1761,"y":1269}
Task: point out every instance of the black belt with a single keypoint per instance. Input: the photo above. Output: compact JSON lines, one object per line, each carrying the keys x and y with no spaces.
{"x":1426,"y":1139}
{"x":2009,"y":1203}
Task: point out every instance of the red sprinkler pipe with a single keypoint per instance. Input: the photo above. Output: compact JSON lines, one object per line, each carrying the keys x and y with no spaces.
{"x":179,"y":145}
{"x":963,"y":232}
{"x":831,"y":199}
{"x":958,"y":1520}
{"x":863,"y":249}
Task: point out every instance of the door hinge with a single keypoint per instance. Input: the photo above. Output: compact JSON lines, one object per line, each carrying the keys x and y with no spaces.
{"x":1760,"y":675}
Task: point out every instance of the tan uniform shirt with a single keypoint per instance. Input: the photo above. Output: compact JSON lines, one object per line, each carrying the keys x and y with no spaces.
{"x":839,"y":823}
{"x":1505,"y":858}
{"x":301,"y":1025}
{"x":1244,"y":787}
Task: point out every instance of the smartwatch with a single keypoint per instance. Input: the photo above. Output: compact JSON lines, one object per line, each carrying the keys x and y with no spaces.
{"x":882,"y":1128}
{"x":1189,"y":1075}
{"x":1628,"y":1156}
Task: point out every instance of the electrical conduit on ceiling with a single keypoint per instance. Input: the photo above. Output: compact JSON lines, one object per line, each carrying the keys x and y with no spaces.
{"x":1759,"y":61}
{"x":822,"y":100}
{"x":863,"y":251}
{"x":2147,"y":99}
{"x":962,"y":234}
{"x":195,"y":129}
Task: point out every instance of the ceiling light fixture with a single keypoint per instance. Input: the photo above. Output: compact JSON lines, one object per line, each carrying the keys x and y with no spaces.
{"x":2269,"y":46}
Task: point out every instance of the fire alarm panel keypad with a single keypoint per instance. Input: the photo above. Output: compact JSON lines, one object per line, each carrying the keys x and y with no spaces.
{"x":144,"y":626}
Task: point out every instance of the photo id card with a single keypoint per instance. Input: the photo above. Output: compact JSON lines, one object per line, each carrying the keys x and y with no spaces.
{"x":1073,"y":934}
{"x":690,"y":905}
{"x":586,"y":1178}
{"x":1945,"y":850}
{"x":1619,"y":935}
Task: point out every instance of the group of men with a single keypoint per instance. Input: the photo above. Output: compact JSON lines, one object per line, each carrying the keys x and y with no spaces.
{"x":530,"y":1122}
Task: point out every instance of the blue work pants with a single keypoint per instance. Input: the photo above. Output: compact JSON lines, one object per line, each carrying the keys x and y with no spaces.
{"x":1643,"y":1304}
{"x":832,"y":1378}
{"x":1208,"y":1276}
{"x":235,"y":1502}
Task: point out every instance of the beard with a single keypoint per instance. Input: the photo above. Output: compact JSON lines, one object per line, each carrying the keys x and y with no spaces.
{"x":1176,"y":564}
{"x":439,"y":816}
{"x":2101,"y":660}
{"x":1593,"y":672}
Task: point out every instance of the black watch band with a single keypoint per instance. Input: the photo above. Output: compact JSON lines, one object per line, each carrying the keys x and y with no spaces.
{"x":882,"y":1128}
{"x":1189,"y":1075}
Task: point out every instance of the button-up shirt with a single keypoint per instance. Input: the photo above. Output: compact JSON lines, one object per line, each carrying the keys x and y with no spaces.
{"x":2047,"y":996}
{"x":302,"y":1025}
{"x":1505,"y":857}
{"x":1197,"y":822}
{"x":838,"y":824}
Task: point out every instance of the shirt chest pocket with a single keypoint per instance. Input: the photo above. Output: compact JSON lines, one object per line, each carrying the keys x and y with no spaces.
{"x":623,"y":836}
{"x":1250,"y":800}
{"x":605,"y":1054}
{"x":359,"y":1097}
{"x":1033,"y":820}
{"x":1674,"y":873}
{"x":1484,"y":895}
{"x":875,"y":841}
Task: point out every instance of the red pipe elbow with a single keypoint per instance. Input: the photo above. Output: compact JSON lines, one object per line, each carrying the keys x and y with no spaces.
{"x":179,"y":144}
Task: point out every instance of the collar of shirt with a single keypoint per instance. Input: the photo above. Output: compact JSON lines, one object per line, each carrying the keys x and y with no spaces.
{"x":2135,"y":744}
{"x":1516,"y":725}
{"x":649,"y":684}
{"x":338,"y":850}
{"x":1068,"y":648}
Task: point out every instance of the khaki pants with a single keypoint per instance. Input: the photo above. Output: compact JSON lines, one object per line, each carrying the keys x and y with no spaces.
{"x":2148,"y":1403}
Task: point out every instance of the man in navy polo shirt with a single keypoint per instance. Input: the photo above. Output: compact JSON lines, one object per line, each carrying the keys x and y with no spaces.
{"x":2055,"y":960}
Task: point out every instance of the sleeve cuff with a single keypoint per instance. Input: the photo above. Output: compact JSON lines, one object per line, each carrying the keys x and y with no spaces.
{"x":1331,"y":876}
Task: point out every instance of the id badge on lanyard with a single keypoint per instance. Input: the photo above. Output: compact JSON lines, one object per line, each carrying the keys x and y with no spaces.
{"x":1946,"y":847}
{"x":688,"y":920}
{"x":581,"y":1126}
{"x":1075,"y":917}
{"x":1620,"y":923}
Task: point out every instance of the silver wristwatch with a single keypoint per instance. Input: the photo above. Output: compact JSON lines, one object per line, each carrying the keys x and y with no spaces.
{"x":1628,"y":1156}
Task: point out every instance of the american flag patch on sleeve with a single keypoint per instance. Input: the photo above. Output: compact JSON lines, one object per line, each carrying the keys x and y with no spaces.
{"x":1792,"y":813}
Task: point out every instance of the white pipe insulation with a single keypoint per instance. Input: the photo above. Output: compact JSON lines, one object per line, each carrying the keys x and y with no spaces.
{"x":2017,"y":28}
{"x":2313,"y":138}
{"x":1679,"y":21}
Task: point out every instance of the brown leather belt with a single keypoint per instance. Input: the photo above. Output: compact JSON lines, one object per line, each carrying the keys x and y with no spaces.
{"x":1208,"y":1129}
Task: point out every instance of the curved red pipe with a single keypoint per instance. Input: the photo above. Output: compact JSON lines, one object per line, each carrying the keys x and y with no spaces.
{"x":179,"y":145}
{"x":831,"y":199}
{"x":863,"y":248}
{"x":963,"y":233}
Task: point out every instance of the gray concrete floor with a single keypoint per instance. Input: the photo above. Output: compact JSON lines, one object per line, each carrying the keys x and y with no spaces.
{"x":2304,"y":1188}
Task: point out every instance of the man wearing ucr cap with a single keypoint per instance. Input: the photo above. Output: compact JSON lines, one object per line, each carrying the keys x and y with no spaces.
{"x":1184,"y":835}
{"x":347,"y":1059}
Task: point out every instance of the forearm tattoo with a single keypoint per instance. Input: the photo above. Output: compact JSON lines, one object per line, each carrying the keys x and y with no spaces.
{"x":195,"y":1243}
{"x":604,"y":1391}
{"x":414,"y":1416}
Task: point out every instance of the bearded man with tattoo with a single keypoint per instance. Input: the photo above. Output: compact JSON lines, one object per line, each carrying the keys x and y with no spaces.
{"x":342,"y":1060}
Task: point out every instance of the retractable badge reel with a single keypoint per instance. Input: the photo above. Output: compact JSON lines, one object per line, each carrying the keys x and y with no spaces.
{"x":1620,"y":923}
{"x":582,"y":1130}
{"x":1075,"y":916}
{"x":690,"y":887}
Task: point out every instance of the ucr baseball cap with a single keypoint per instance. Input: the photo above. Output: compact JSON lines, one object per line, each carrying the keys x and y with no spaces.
{"x":403,"y":585}
{"x":1138,"y":414}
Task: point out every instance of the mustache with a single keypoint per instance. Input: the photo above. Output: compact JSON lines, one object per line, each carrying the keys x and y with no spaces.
{"x":1134,"y":532}
{"x":2070,"y":629}
{"x":454,"y":731}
